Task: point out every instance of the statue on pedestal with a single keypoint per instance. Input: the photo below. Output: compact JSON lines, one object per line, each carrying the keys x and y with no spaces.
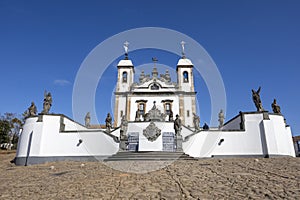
{"x":221,"y":118}
{"x":87,"y":119}
{"x":256,"y":99}
{"x":124,"y":124}
{"x":196,"y":121}
{"x":275,"y":107}
{"x":108,"y":122}
{"x":47,"y":102}
{"x":177,"y":126}
{"x":32,"y":110}
{"x":123,"y":136}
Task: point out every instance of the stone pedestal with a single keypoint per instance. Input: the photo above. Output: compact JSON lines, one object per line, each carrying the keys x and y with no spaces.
{"x":179,"y":143}
{"x":123,"y":143}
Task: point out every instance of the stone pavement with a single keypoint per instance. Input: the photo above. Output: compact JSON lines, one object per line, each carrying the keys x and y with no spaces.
{"x":234,"y":178}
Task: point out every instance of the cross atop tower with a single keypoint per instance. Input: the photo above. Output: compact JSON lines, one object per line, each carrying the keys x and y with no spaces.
{"x":154,"y":60}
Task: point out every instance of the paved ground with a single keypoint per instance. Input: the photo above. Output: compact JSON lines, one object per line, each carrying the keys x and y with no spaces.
{"x":239,"y":178}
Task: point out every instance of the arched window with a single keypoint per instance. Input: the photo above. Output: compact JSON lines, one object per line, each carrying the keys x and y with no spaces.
{"x":168,"y":108}
{"x":124,"y":77}
{"x":141,"y":108}
{"x":185,"y":77}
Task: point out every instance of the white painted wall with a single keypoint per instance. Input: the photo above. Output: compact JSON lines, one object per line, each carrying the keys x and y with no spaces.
{"x":188,"y":107}
{"x":71,"y":125}
{"x":31,"y":126}
{"x":121,"y":107}
{"x":282,"y":134}
{"x":48,"y":141}
{"x":144,"y":143}
{"x":260,"y":137}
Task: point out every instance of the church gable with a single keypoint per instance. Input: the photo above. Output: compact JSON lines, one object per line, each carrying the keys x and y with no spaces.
{"x":154,"y":83}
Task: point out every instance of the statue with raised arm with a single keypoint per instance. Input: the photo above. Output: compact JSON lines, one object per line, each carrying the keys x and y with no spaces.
{"x":221,"y":118}
{"x":196,"y":121}
{"x":87,"y":119}
{"x":275,"y":107}
{"x":32,"y":110}
{"x":108,"y":122}
{"x":177,"y":126}
{"x":256,"y":99}
{"x":47,"y":103}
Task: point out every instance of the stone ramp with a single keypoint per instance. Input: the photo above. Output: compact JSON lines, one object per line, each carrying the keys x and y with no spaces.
{"x":149,"y":155}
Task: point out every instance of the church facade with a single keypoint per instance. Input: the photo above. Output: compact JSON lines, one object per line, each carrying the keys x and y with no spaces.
{"x":153,"y":114}
{"x":135,"y":99}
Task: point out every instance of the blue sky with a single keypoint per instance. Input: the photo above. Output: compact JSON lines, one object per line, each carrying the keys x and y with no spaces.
{"x":253,"y":43}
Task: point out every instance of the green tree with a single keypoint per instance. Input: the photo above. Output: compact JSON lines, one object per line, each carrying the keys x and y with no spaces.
{"x":4,"y":131}
{"x":10,"y":125}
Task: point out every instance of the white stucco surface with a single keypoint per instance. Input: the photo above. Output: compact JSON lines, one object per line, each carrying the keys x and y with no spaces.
{"x":47,"y":140}
{"x":261,"y":137}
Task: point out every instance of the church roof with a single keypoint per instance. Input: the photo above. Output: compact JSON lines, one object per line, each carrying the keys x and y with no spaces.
{"x":125,"y":63}
{"x":184,"y":62}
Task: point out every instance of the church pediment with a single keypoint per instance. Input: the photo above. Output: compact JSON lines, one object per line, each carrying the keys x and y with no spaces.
{"x":153,"y":85}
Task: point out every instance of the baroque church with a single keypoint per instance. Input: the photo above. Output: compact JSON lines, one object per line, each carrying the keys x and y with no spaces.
{"x":154,"y":114}
{"x":136,"y":99}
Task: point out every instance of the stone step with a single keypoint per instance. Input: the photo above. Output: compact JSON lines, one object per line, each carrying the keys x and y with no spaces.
{"x":153,"y":155}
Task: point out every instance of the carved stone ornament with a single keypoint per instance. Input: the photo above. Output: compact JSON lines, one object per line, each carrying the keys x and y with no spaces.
{"x":154,"y":114}
{"x":151,"y":132}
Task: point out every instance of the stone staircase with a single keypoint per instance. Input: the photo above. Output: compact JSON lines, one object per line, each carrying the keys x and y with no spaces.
{"x":149,"y":155}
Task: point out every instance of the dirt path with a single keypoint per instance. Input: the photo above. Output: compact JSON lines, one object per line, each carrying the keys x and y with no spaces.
{"x":235,"y":178}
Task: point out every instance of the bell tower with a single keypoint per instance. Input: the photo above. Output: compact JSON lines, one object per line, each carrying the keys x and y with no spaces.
{"x":187,"y":95}
{"x":125,"y":80}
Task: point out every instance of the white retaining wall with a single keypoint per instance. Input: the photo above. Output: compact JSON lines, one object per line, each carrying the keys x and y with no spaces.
{"x":261,"y":137}
{"x":47,"y":140}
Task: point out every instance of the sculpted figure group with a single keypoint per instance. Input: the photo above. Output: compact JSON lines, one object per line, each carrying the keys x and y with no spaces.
{"x":32,"y":110}
{"x":258,"y":104}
